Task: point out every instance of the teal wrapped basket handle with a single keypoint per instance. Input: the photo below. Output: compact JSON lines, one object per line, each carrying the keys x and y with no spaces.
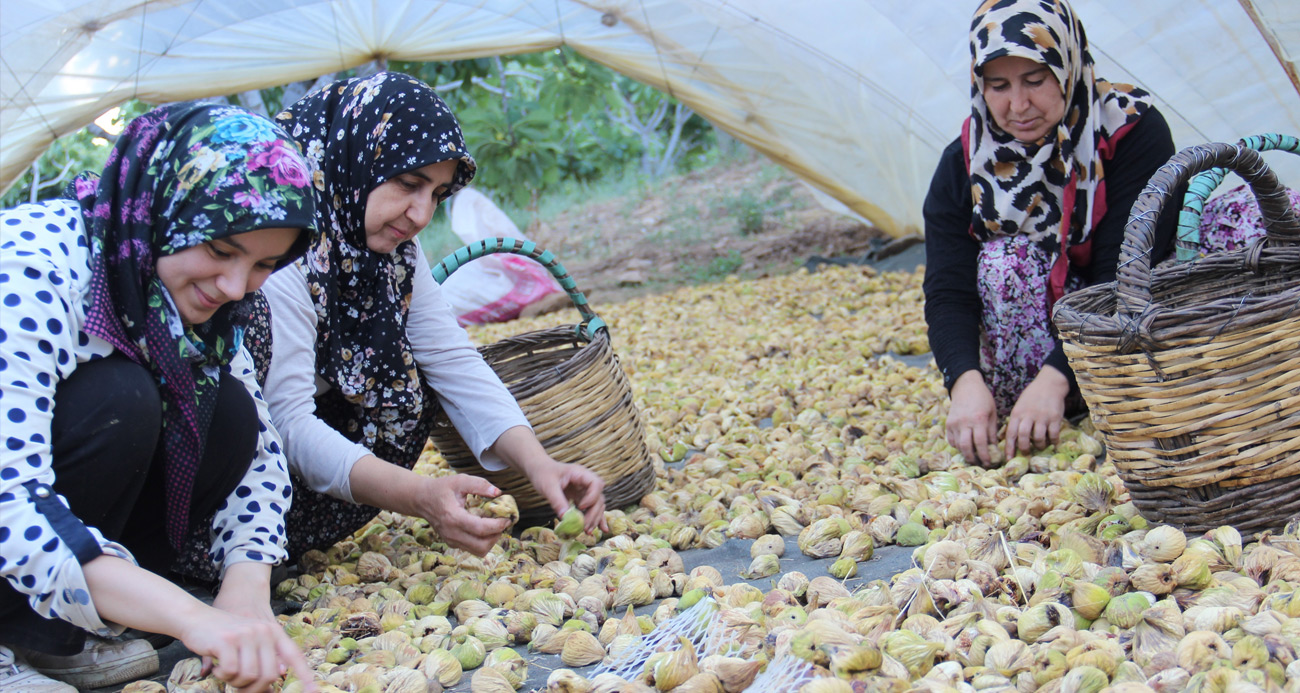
{"x":570,"y":386}
{"x":1203,"y":184}
{"x":591,"y":323}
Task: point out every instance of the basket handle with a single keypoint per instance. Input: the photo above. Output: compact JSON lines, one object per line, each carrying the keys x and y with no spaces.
{"x":591,"y":323}
{"x":1198,"y":191}
{"x":1133,"y":274}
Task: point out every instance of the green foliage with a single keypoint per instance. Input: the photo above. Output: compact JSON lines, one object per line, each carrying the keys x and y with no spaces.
{"x":714,"y":270}
{"x":83,"y":150}
{"x":572,"y":193}
{"x":551,"y":128}
{"x":747,"y":208}
{"x":754,"y":205}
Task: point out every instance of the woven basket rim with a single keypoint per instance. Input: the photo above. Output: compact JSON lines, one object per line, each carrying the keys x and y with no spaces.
{"x":1183,"y":315}
{"x":527,"y":344}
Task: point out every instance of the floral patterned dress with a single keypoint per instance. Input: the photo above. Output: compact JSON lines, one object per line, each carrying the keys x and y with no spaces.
{"x":1231,"y":221}
{"x":1015,"y":333}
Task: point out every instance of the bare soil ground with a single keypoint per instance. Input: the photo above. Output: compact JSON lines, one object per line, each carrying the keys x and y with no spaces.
{"x":752,"y":219}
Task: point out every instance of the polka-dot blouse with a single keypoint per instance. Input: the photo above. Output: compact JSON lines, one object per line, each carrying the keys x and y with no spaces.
{"x":44,"y":277}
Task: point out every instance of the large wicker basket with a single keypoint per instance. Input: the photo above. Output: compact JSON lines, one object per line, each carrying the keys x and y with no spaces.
{"x":570,"y":386}
{"x":1192,"y":372}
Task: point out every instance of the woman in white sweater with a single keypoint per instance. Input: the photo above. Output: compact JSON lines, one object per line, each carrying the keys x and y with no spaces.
{"x":130,"y":408}
{"x":364,"y":346}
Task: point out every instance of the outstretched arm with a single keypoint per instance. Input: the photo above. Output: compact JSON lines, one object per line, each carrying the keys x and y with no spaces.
{"x":560,"y":484}
{"x":250,"y":653}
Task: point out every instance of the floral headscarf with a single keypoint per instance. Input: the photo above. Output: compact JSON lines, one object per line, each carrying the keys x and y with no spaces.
{"x":179,"y":176}
{"x":1052,"y":190}
{"x":359,"y":133}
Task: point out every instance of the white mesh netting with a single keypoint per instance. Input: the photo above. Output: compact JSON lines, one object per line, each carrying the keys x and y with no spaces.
{"x":697,"y":624}
{"x":700,"y":626}
{"x":786,"y":673}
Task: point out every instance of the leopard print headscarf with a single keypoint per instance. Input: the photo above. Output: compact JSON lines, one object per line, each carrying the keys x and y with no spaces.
{"x":1035,"y":188}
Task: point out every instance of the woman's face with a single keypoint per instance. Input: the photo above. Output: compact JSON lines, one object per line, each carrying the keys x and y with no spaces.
{"x":400,"y":207}
{"x":204,"y":277}
{"x":1023,"y":96}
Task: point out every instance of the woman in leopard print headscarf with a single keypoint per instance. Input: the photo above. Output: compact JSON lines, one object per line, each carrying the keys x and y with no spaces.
{"x":1027,"y":204}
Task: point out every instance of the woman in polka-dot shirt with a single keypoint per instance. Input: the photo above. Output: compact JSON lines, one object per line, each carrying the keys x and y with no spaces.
{"x":128,"y":407}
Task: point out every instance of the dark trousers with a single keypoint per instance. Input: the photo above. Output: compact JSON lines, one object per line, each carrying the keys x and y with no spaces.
{"x":105,"y":434}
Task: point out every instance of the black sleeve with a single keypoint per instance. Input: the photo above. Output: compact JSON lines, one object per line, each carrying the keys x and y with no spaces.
{"x":952,"y":302}
{"x":1146,"y":147}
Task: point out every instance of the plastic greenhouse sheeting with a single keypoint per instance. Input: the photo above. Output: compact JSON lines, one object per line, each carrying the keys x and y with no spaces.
{"x":856,"y":97}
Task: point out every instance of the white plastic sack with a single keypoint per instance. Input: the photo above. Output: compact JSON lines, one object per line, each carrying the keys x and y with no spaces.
{"x":494,"y":288}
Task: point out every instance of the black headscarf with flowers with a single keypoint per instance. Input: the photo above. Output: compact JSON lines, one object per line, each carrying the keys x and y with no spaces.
{"x":358,"y":133}
{"x":179,"y":176}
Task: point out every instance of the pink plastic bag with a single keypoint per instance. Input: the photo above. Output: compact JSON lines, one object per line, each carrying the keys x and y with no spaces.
{"x":495,"y":288}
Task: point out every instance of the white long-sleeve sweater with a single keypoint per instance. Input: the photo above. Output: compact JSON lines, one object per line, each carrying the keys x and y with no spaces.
{"x":475,"y":400}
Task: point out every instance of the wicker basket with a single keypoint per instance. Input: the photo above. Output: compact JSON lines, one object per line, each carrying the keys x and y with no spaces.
{"x":569,"y":384}
{"x":1192,"y":372}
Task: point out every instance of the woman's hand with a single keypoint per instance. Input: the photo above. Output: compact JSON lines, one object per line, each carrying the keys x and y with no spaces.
{"x":1036,"y":418}
{"x":250,"y":653}
{"x":439,"y":500}
{"x":443,"y":505}
{"x":560,"y":484}
{"x":563,"y":485}
{"x":973,"y":418}
{"x":245,"y":592}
